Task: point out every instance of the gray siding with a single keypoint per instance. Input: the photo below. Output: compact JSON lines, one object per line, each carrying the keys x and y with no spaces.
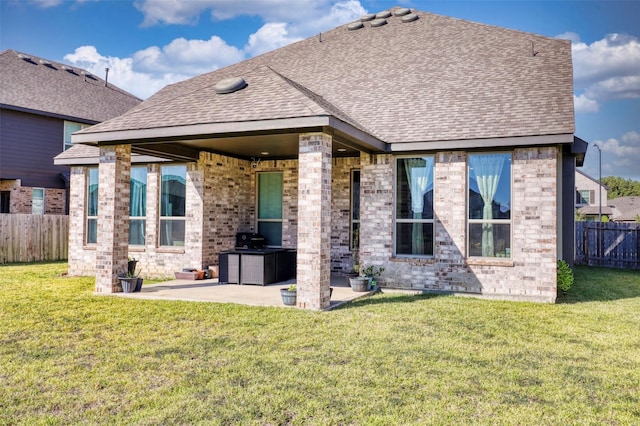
{"x":28,"y":144}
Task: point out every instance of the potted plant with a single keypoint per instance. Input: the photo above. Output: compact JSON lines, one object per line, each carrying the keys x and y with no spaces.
{"x":372,"y":272}
{"x":289,"y":295}
{"x":359,"y":283}
{"x":131,"y":265}
{"x":131,"y":281}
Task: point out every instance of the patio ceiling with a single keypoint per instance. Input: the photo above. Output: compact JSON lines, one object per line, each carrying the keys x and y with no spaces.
{"x":264,"y":146}
{"x":247,"y":140}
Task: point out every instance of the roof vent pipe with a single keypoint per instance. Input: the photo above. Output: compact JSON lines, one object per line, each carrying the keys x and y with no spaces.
{"x":106,"y":76}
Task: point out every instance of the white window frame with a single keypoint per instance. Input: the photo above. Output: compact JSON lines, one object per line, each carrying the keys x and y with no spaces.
{"x":139,"y":218}
{"x":281,"y":220}
{"x":431,"y":222}
{"x":354,"y":244}
{"x":171,"y":218}
{"x":86,"y":209}
{"x":508,"y":256}
{"x":66,"y":144}
{"x":40,"y":200}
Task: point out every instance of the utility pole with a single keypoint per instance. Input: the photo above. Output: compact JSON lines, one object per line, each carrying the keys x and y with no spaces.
{"x":600,"y":183}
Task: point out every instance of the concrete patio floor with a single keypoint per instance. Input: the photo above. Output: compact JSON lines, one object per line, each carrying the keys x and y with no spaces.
{"x":209,"y":290}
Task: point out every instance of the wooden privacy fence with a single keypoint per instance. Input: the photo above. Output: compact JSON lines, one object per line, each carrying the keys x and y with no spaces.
{"x":33,"y":237}
{"x":616,"y":245}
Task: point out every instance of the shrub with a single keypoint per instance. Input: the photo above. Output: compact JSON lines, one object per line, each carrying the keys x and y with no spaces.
{"x":565,"y":276}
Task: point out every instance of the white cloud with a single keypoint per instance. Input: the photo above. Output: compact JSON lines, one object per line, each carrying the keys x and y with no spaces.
{"x":271,"y":36}
{"x":575,"y":38}
{"x":180,"y":12}
{"x":607,"y":69}
{"x":121,"y":72}
{"x":620,"y":156}
{"x":189,"y":57}
{"x":150,"y":69}
{"x":584,"y":104}
{"x":46,"y":3}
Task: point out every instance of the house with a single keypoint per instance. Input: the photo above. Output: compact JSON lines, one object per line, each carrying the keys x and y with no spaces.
{"x":41,"y":103}
{"x":588,"y":193}
{"x":440,"y":149}
{"x":625,"y":209}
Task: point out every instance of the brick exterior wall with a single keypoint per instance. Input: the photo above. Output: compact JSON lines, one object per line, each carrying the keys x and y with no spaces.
{"x":314,"y":222}
{"x":82,"y":259}
{"x":219,"y":205}
{"x":113,"y":216}
{"x":341,"y":255}
{"x":531,"y":272}
{"x":21,"y":198}
{"x":221,"y":194}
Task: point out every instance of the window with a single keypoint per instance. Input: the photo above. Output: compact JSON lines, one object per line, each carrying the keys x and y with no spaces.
{"x":355,"y":209}
{"x":37,"y":201}
{"x":173,"y":192}
{"x":586,"y":196}
{"x":414,"y":206}
{"x":138,"y":205}
{"x":270,"y":208}
{"x":92,"y":205}
{"x":5,"y":201}
{"x":490,"y":205}
{"x":69,"y":128}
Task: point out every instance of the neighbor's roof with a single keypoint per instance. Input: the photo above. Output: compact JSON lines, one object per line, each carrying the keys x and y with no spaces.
{"x":41,"y":86}
{"x":625,"y":208}
{"x":432,"y":79}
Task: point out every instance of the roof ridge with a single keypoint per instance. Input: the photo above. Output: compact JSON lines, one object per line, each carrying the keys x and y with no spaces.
{"x":321,"y":102}
{"x":293,"y":87}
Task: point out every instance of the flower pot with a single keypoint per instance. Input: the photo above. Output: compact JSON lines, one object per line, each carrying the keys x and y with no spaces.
{"x":359,"y":284}
{"x":128,"y":284}
{"x":138,"y":285}
{"x":288,"y":297}
{"x":131,"y":267}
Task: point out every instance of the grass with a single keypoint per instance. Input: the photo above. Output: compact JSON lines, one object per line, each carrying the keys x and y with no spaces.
{"x":70,"y":357}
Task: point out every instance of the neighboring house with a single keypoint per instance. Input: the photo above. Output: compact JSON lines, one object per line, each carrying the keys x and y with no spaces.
{"x":588,"y":192}
{"x":41,"y":103}
{"x":437,"y":148}
{"x":625,"y":209}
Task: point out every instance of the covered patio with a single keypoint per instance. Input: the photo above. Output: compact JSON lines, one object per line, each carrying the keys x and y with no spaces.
{"x":210,"y":290}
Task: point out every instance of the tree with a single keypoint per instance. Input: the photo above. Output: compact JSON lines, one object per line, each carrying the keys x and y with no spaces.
{"x":619,"y":187}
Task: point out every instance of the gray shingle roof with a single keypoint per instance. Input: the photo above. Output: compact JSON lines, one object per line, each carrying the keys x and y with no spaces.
{"x":43,"y":86}
{"x":625,"y":208}
{"x":434,"y":79}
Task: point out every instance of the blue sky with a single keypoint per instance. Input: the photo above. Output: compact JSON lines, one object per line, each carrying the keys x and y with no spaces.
{"x":150,"y":43}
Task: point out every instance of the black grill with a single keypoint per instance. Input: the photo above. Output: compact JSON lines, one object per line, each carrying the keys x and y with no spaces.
{"x":249,"y":240}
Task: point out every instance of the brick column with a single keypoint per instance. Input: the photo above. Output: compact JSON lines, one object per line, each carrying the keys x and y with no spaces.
{"x":113,"y":216}
{"x":314,"y":221}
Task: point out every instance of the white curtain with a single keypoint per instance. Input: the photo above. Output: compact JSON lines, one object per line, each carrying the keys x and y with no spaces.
{"x":487,"y":169}
{"x":419,"y":172}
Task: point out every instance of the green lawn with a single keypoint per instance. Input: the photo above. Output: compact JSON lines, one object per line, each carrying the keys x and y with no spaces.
{"x":70,"y":357}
